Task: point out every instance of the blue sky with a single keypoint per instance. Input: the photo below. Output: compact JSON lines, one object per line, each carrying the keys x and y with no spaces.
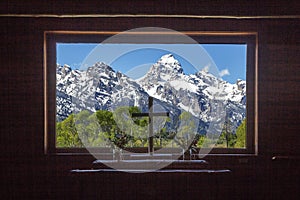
{"x":229,"y":61}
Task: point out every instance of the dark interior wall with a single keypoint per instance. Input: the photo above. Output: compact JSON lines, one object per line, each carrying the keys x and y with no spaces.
{"x":192,"y":7}
{"x":27,"y":173}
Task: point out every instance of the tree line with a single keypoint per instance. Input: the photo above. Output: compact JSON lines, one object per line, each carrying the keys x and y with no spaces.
{"x":118,"y":129}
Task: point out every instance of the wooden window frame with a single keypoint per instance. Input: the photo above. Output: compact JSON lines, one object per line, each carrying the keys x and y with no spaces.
{"x":53,"y":37}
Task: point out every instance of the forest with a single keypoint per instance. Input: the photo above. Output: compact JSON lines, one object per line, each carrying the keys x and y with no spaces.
{"x":104,"y":128}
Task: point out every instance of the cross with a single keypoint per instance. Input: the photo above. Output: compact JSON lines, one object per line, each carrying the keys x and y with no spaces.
{"x":151,"y":114}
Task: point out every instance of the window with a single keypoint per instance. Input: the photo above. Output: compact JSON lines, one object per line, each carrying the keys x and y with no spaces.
{"x":150,"y":91}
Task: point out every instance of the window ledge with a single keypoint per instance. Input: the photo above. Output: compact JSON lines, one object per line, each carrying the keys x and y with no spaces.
{"x":150,"y":161}
{"x":205,"y":171}
{"x":150,"y":164}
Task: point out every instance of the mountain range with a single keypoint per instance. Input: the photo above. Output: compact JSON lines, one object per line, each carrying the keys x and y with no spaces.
{"x":100,"y":87}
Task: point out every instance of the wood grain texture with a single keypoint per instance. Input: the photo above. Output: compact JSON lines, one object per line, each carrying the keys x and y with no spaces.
{"x":29,"y":174}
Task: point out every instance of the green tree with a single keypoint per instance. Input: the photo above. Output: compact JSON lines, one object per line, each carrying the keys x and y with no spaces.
{"x":200,"y":141}
{"x":227,"y":138}
{"x":187,"y":131}
{"x":106,"y":121}
{"x":162,"y":138}
{"x":135,"y":127}
{"x":241,"y":135}
{"x":66,"y":133}
{"x":140,"y":121}
{"x":117,"y":126}
{"x":89,"y":129}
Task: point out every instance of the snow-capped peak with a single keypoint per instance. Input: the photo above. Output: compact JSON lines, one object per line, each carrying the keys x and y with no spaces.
{"x":100,"y":87}
{"x":169,"y":61}
{"x":165,"y":69}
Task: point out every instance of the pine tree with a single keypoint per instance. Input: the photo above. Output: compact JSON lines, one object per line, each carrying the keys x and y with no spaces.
{"x":241,"y":135}
{"x":227,"y":138}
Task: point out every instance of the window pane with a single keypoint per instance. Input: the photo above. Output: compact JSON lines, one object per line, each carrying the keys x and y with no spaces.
{"x":102,"y":99}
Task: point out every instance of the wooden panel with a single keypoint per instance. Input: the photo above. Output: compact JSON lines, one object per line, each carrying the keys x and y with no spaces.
{"x":24,"y":57}
{"x":233,"y":8}
{"x":30,"y":174}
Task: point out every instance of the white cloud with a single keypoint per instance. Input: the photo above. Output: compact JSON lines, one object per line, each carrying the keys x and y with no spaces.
{"x":76,"y":65}
{"x":224,"y":72}
{"x":206,"y":68}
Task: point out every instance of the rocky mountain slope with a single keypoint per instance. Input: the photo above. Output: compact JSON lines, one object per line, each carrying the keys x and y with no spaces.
{"x":101,"y":88}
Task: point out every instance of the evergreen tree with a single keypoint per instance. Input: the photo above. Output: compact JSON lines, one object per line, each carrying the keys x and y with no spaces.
{"x":227,"y":138}
{"x":241,"y":135}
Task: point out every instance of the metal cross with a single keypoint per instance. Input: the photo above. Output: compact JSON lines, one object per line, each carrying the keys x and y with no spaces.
{"x":151,"y":114}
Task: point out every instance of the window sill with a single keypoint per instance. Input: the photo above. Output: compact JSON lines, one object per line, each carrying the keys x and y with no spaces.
{"x":203,"y":171}
{"x":208,"y":162}
{"x":150,"y":164}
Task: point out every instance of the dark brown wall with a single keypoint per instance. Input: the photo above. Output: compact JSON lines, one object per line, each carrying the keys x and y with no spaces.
{"x":27,"y":173}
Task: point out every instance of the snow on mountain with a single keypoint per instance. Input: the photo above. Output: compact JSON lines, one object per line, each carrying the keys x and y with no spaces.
{"x":100,"y":87}
{"x":193,"y":93}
